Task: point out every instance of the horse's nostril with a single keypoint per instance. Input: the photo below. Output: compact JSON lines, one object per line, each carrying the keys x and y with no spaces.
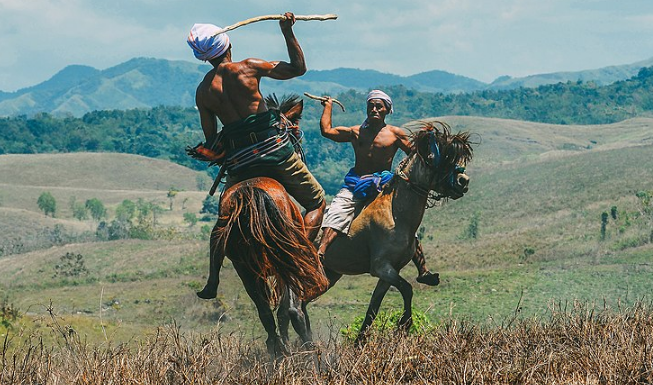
{"x":463,"y":180}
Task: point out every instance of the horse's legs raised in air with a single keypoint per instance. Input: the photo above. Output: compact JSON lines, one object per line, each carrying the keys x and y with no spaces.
{"x":258,"y":293}
{"x":313,"y":221}
{"x":388,"y":276}
{"x":424,"y":275}
{"x":215,"y":264}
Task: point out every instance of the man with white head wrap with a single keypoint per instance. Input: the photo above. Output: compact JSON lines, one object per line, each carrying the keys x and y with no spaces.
{"x":207,"y":42}
{"x":230,"y":92}
{"x":375,"y":145}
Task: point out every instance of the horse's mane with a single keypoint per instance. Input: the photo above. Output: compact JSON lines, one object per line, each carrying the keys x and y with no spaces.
{"x":455,"y":149}
{"x":287,"y":102}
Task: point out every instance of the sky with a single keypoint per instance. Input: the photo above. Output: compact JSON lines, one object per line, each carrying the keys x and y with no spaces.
{"x":478,"y":39}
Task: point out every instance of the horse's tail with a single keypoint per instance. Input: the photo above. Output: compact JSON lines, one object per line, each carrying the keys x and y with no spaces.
{"x":272,"y":243}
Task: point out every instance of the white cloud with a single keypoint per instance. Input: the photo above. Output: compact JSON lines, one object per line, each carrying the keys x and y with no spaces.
{"x":477,"y":39}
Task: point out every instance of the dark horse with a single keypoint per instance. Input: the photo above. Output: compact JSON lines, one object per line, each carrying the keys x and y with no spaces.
{"x":262,"y":232}
{"x":381,"y":240}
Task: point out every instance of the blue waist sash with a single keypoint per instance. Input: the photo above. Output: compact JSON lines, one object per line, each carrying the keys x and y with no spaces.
{"x":366,"y":186}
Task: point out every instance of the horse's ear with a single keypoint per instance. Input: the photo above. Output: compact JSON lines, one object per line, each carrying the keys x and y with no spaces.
{"x":295,"y":112}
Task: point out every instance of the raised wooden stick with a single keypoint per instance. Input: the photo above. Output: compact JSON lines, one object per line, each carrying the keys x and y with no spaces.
{"x":324,"y":99}
{"x":329,"y":16}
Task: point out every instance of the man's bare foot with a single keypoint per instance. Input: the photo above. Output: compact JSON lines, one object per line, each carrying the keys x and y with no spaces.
{"x":209,"y":292}
{"x":429,"y":278}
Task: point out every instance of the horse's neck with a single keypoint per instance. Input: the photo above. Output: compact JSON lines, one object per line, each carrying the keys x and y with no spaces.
{"x":408,"y":205}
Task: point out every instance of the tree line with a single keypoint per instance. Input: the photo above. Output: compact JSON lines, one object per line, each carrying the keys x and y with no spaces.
{"x":164,"y":132}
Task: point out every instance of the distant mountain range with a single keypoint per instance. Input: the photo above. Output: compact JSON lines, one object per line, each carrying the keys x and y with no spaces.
{"x":147,"y":82}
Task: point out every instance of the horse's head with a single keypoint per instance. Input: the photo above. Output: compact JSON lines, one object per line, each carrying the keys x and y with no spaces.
{"x":290,"y":107}
{"x":442,"y":160}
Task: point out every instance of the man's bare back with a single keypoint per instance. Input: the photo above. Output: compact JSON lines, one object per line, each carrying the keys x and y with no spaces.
{"x":230,"y":91}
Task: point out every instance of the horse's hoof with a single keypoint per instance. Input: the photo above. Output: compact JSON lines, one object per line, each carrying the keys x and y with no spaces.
{"x":208,"y":293}
{"x":429,"y":279}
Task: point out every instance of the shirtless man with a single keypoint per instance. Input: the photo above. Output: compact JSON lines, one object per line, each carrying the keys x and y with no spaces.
{"x":230,"y":92}
{"x":375,"y":144}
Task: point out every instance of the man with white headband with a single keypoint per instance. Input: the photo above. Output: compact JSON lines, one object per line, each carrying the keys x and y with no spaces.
{"x":375,"y":144}
{"x":230,"y":92}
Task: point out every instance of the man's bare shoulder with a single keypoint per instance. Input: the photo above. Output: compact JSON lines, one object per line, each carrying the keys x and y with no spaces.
{"x":253,"y":62}
{"x":355,"y":130}
{"x":397,"y":130}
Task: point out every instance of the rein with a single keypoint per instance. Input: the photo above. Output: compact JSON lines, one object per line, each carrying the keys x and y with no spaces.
{"x":432,"y":197}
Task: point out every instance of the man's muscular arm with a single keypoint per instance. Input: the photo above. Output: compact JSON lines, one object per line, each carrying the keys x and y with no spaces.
{"x":281,"y":70}
{"x":402,"y":139}
{"x":337,"y":134}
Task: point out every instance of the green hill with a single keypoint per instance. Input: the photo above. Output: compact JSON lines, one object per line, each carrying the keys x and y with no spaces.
{"x":536,"y":198}
{"x":149,"y":83}
{"x":109,"y":177}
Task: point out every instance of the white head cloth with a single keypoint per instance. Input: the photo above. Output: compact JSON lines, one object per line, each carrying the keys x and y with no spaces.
{"x":377,"y":94}
{"x":205,"y":45}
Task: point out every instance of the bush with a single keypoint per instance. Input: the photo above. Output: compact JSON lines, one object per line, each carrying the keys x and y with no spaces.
{"x":96,"y":208}
{"x":385,"y":322}
{"x":47,"y":203}
{"x":8,"y":315}
{"x":79,"y":210}
{"x":472,"y":230}
{"x":210,"y":205}
{"x":71,"y":265}
{"x":190,"y":218}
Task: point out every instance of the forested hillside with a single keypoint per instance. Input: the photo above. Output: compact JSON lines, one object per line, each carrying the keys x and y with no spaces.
{"x":164,"y":132}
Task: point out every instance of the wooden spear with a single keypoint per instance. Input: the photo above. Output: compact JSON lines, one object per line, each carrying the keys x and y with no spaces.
{"x":324,"y":99}
{"x":329,"y":16}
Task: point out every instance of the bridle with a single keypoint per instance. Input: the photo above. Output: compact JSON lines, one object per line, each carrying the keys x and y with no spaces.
{"x":433,"y":161}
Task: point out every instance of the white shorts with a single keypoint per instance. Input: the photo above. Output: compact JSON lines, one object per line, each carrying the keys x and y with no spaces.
{"x":341,"y":212}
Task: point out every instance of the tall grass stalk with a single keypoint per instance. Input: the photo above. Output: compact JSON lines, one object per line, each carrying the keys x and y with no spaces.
{"x":575,"y":343}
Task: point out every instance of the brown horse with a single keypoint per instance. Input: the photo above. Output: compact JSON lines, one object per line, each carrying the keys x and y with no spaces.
{"x":262,"y":232}
{"x":381,"y":240}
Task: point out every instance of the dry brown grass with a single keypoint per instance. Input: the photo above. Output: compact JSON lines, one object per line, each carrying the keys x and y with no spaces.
{"x":579,"y":346}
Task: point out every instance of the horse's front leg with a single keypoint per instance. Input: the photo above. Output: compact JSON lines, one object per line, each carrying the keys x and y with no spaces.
{"x":391,"y":276}
{"x":257,"y":291}
{"x":373,"y":309}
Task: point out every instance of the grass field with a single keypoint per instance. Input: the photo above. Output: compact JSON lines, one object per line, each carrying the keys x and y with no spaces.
{"x":537,"y":193}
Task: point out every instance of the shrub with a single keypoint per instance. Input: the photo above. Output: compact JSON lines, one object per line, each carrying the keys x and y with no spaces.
{"x":79,"y":210}
{"x":210,"y":205}
{"x":96,"y":208}
{"x":71,"y":265}
{"x":8,"y":314}
{"x":385,"y":322}
{"x":604,"y":223}
{"x":126,"y":211}
{"x":47,"y":203}
{"x":190,"y":218}
{"x":472,"y":231}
